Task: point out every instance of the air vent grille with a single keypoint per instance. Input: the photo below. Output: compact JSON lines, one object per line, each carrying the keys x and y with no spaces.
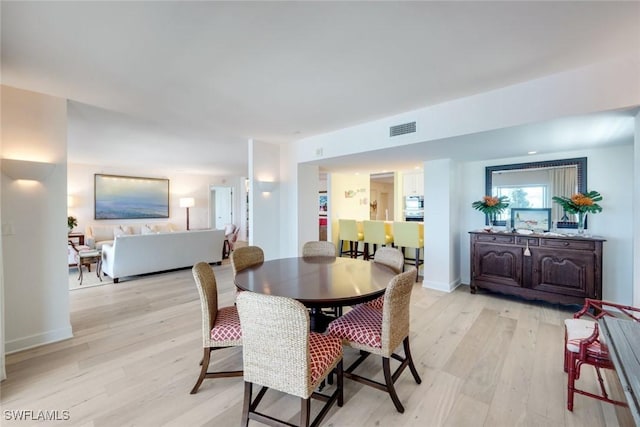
{"x":402,"y":129}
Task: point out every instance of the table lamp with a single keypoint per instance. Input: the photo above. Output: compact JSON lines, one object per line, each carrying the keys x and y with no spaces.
{"x":187,"y":202}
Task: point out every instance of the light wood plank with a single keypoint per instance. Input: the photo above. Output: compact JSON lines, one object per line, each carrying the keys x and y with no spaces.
{"x":484,"y":359}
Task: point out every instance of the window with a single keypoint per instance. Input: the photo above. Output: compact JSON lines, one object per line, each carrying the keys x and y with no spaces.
{"x":531,"y":196}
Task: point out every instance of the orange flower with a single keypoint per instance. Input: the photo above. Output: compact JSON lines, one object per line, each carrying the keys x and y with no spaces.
{"x":581,"y":200}
{"x":490,"y":201}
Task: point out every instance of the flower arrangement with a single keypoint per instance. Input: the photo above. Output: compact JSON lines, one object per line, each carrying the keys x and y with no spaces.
{"x":491,"y":206}
{"x":580,"y":203}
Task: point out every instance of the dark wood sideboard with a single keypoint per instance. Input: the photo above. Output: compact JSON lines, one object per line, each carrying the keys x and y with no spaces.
{"x":562,"y":270}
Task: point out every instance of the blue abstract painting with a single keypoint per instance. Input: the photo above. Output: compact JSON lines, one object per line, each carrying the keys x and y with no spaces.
{"x":128,"y":197}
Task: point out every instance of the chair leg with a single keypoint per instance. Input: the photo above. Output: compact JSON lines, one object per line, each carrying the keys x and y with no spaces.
{"x":389,"y":383}
{"x":417,"y":261}
{"x":246,"y":404}
{"x":305,"y":411}
{"x":340,"y":385}
{"x":341,"y":247}
{"x":407,"y":355}
{"x":203,"y":371}
{"x":571,"y":382}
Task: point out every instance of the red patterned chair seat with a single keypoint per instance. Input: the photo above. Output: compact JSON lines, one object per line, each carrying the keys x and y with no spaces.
{"x":362,"y":325}
{"x":578,"y":330}
{"x":377,"y":303}
{"x":323,"y":351}
{"x":227,"y":325}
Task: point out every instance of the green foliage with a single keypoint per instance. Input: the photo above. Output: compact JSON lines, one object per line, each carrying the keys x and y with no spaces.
{"x":580,"y":203}
{"x":71,"y":222}
{"x":491,"y":206}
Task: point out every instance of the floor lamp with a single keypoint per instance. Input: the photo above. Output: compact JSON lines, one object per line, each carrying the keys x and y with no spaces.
{"x":187,"y":202}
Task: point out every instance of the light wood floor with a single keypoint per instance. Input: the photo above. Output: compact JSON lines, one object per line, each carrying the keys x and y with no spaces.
{"x":485,"y":360}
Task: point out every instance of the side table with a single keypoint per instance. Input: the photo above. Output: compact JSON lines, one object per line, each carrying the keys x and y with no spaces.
{"x":77,"y":236}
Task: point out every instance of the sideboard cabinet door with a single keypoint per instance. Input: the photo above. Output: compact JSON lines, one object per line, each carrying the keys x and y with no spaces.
{"x":564,"y":272}
{"x":498,"y":264}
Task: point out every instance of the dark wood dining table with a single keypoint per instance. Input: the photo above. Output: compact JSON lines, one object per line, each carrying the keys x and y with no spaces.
{"x":318,"y":282}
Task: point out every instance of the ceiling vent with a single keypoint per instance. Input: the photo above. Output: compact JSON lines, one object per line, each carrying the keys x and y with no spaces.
{"x":402,"y":129}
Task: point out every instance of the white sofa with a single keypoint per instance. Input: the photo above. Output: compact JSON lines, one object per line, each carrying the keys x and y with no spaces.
{"x":97,"y":235}
{"x":130,"y":255}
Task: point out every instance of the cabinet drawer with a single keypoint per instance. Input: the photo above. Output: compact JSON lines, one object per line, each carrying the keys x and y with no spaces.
{"x":494,"y":238}
{"x":533,"y":241}
{"x":584,"y":245}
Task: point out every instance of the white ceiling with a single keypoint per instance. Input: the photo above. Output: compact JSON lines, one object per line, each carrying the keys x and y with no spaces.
{"x":183,"y":85}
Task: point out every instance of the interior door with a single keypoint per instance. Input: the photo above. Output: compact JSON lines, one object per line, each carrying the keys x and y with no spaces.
{"x":221,"y":209}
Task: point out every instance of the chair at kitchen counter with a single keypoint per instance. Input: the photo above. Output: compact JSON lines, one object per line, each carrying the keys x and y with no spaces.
{"x":410,"y":235}
{"x":376,"y":233}
{"x":349,"y":233}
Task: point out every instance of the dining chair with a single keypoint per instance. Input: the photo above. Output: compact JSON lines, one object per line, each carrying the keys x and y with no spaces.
{"x":409,"y":235}
{"x":392,"y":258}
{"x":220,"y":325}
{"x":380,"y":332}
{"x":583,"y":345}
{"x":376,"y":233}
{"x":318,"y":248}
{"x":322,"y":249}
{"x":348,"y":233}
{"x":279,"y":352}
{"x":245,"y":257}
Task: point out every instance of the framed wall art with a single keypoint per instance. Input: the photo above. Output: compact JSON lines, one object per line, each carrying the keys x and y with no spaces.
{"x":130,"y":197}
{"x":323,"y":203}
{"x":531,"y":219}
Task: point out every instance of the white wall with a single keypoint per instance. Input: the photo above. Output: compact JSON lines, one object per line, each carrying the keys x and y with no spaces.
{"x":608,"y":170}
{"x":441,"y":255}
{"x":598,"y":87}
{"x":308,"y":190}
{"x":636,"y":215}
{"x":264,"y":208}
{"x":81,"y":188}
{"x":348,"y":196}
{"x":36,"y":295}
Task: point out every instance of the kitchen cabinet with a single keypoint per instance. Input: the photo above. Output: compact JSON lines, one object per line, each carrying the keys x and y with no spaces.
{"x":561,"y":270}
{"x":413,"y":184}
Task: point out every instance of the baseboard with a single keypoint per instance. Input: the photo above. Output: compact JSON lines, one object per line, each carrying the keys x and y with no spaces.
{"x":439,"y":286}
{"x":37,"y":340}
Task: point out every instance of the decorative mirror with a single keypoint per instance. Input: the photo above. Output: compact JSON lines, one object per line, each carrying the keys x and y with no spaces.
{"x":532,"y":185}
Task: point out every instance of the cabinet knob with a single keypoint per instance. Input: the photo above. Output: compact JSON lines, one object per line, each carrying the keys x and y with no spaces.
{"x":566,"y":243}
{"x":493,"y":238}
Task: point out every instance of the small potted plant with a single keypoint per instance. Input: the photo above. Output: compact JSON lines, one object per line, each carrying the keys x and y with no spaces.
{"x":492,"y":207}
{"x":580,"y":204}
{"x":71,"y":223}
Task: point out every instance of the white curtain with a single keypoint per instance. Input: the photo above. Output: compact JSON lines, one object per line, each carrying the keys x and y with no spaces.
{"x":564,"y":182}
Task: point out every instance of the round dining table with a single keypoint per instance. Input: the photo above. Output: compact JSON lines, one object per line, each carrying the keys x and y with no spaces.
{"x":318,"y":282}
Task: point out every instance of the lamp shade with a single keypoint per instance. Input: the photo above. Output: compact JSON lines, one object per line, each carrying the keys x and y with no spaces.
{"x":187,"y":202}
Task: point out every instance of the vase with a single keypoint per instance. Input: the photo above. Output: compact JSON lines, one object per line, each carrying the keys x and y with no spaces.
{"x":581,"y":217}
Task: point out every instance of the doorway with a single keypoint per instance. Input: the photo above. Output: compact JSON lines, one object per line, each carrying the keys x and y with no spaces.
{"x":220,"y":206}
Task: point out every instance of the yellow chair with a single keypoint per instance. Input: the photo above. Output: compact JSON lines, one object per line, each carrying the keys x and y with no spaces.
{"x":348,"y":232}
{"x":376,"y":233}
{"x":409,"y":235}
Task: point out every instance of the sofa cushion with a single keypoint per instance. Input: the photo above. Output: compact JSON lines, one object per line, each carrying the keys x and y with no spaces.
{"x":161,"y":228}
{"x":102,"y":232}
{"x":121,"y":231}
